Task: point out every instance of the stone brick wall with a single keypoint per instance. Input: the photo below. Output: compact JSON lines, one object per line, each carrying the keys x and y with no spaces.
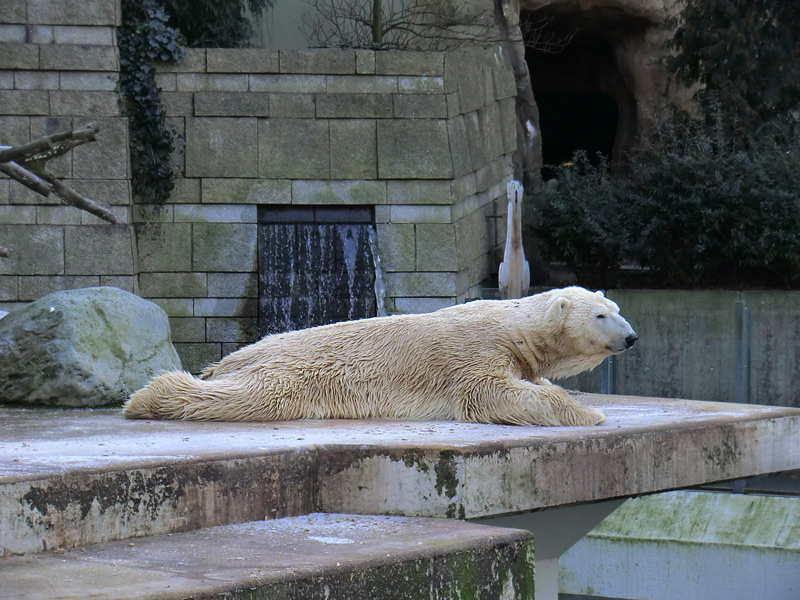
{"x":58,"y":70}
{"x":423,"y":139}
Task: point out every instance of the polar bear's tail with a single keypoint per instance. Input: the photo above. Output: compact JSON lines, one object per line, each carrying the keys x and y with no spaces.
{"x":180,"y":395}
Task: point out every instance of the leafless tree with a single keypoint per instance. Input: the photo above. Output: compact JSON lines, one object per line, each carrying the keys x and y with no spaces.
{"x":441,"y":25}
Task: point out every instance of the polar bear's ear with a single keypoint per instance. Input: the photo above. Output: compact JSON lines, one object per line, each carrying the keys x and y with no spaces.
{"x":559,"y":307}
{"x":599,"y":293}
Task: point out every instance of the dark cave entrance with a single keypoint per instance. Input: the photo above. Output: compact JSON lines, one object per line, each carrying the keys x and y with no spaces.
{"x":571,"y":121}
{"x":583,"y":88}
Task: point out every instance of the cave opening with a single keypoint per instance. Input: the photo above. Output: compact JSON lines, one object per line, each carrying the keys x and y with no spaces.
{"x":582,"y":80}
{"x":572,"y":121}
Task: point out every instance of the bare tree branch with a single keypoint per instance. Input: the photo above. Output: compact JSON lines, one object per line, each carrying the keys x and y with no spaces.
{"x":50,"y":146}
{"x":416,"y":25}
{"x":26,"y":164}
{"x":25,"y":177}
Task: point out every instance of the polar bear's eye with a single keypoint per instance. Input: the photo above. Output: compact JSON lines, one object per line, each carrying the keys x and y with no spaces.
{"x":601,"y":316}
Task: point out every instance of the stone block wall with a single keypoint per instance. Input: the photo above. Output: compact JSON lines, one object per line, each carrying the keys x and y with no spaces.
{"x":424,"y":138}
{"x":58,"y":70}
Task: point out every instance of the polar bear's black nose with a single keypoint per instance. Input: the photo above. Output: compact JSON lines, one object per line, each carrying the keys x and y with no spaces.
{"x":631,"y":340}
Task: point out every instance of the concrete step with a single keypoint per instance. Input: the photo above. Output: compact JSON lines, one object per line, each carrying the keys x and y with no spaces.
{"x":77,"y":477}
{"x":315,"y":556}
{"x":691,"y":545}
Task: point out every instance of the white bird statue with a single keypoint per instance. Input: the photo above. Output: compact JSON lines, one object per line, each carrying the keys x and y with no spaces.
{"x":515,"y":275}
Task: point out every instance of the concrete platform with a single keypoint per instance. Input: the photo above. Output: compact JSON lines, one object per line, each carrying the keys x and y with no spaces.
{"x":71,"y":478}
{"x":314,"y":556}
{"x":693,"y":545}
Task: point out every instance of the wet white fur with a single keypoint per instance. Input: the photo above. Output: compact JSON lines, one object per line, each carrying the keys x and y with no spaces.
{"x":485,"y":361}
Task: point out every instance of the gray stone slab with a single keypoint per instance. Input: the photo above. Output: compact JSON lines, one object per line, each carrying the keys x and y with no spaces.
{"x":312,"y":556}
{"x":420,"y":106}
{"x":71,"y":57}
{"x":14,"y":130}
{"x":221,"y":147}
{"x":436,"y":247}
{"x":233,"y":285}
{"x":291,"y":106}
{"x":84,"y":103}
{"x":172,"y":285}
{"x":24,"y":102}
{"x":227,"y":247}
{"x":365,"y":60}
{"x":338,"y":192}
{"x":214,"y":82}
{"x":188,"y":329}
{"x":13,"y":11}
{"x":98,"y":250}
{"x":175,"y":307}
{"x":123,"y":282}
{"x":19,"y":56}
{"x":774,"y":347}
{"x":9,"y":288}
{"x":215,"y":213}
{"x":246,"y":191}
{"x":397,"y":246}
{"x":178,"y":103}
{"x":288,"y":84}
{"x":232,"y":472}
{"x":36,"y":250}
{"x":354,"y":153}
{"x":326,"y":61}
{"x":361,"y":84}
{"x":78,"y":34}
{"x":67,"y":12}
{"x":225,"y":307}
{"x":293,"y":149}
{"x":421,"y":305}
{"x":18,"y":215}
{"x":414,"y":149}
{"x":354,"y":106}
{"x":421,"y":284}
{"x":410,"y":63}
{"x":234,"y":104}
{"x":36,"y":80}
{"x":196,"y":357}
{"x":242,"y":60}
{"x":107,"y":158}
{"x":420,"y":85}
{"x":34,"y":287}
{"x":232,"y":329}
{"x":687,"y":344}
{"x":423,"y":191}
{"x":164,"y":247}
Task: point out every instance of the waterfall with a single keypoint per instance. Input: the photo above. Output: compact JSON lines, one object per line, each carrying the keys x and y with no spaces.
{"x":380,"y":285}
{"x":317,"y":271}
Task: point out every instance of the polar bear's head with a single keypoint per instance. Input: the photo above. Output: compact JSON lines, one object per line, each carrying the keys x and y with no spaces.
{"x":590,"y":328}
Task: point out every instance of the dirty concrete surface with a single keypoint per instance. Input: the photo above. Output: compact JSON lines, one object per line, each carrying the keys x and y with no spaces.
{"x":79,"y":477}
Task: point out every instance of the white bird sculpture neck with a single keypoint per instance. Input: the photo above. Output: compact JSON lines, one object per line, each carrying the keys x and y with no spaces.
{"x":514,"y":275}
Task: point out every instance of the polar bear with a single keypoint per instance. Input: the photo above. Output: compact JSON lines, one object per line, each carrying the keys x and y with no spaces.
{"x":486,"y":361}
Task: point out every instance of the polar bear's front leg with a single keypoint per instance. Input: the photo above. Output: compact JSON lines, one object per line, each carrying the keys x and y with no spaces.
{"x":509,"y":400}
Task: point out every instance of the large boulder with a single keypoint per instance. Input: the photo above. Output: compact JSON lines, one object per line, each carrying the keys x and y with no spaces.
{"x":80,"y":348}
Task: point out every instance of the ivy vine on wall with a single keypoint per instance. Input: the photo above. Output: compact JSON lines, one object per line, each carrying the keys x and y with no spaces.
{"x":143,"y":37}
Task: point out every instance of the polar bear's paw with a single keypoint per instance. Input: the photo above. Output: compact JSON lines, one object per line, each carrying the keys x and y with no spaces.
{"x":577,"y":414}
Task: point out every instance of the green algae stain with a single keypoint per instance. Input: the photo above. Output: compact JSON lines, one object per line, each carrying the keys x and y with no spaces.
{"x":446,"y":470}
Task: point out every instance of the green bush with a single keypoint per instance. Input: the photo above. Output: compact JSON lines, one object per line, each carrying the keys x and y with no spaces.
{"x":693,"y":208}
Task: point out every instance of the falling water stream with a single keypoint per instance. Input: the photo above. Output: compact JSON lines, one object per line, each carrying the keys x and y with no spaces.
{"x":313,"y":273}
